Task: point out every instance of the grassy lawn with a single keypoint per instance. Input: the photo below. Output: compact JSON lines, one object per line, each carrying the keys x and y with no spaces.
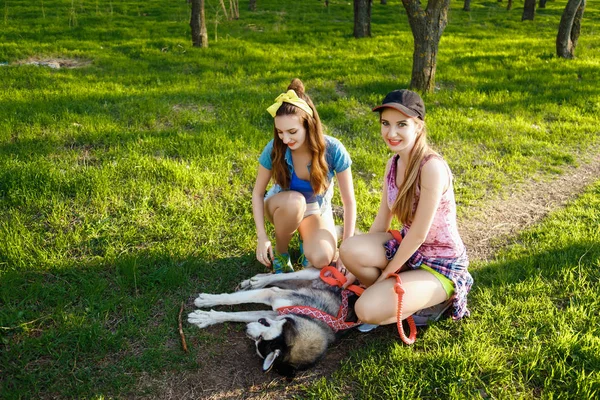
{"x":125,"y":185}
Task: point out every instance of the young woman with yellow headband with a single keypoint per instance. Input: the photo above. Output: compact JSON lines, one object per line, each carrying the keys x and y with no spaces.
{"x":301,"y":161}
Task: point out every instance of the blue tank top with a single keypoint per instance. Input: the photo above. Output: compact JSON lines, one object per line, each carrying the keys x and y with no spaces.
{"x":302,"y":186}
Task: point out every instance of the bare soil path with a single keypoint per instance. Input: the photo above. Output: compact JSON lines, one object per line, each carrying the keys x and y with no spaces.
{"x":230,"y":370}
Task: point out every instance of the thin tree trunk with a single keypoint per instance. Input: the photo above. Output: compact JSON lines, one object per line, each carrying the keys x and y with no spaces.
{"x":252,"y":5}
{"x":528,"y":10}
{"x":233,"y":9}
{"x":509,"y":5}
{"x":236,"y":4}
{"x":569,"y":28}
{"x":427,"y":27}
{"x":384,"y":2}
{"x":542,"y":4}
{"x":467,"y":5}
{"x":198,"y":24}
{"x":224,"y":9}
{"x":362,"y":18}
{"x":577,"y":24}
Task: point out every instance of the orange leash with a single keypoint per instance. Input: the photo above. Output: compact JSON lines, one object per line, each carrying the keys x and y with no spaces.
{"x":411,"y":322}
{"x":400,"y":292}
{"x":333,"y":277}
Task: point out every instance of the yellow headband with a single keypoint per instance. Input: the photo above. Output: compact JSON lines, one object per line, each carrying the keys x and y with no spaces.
{"x":289,"y":97}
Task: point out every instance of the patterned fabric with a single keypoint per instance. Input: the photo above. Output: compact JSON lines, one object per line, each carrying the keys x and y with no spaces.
{"x":443,"y":239}
{"x":454,"y":269}
{"x":336,"y":323}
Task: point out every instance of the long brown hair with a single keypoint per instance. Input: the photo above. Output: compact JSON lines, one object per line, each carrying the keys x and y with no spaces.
{"x":403,"y":206}
{"x":314,"y":138}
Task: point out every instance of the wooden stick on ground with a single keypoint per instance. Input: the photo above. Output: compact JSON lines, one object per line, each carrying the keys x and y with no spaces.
{"x":183,"y":342}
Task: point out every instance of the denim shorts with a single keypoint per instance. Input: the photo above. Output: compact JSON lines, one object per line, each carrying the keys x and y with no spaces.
{"x":324,"y":209}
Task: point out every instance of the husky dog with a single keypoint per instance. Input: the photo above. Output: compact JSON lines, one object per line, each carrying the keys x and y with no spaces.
{"x":286,"y":341}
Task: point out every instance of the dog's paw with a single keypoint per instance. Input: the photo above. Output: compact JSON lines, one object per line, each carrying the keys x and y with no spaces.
{"x":202,"y":319}
{"x":256,"y":282}
{"x":206,"y":300}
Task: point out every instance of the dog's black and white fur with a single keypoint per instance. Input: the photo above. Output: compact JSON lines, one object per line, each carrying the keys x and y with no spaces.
{"x":287,"y":343}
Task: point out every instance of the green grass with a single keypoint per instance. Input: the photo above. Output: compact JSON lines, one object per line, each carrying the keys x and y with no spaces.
{"x":125,"y":185}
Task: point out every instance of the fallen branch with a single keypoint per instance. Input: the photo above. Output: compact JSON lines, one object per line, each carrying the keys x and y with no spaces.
{"x":183,"y":342}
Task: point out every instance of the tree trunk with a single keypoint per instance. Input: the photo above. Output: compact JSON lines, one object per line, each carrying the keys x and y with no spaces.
{"x":362,"y":18}
{"x":384,"y":2}
{"x":224,"y":9}
{"x":234,"y":9}
{"x":467,"y":5}
{"x":569,"y":28}
{"x":542,"y":4}
{"x":198,"y":24}
{"x":252,"y":5}
{"x":427,"y":27}
{"x":528,"y":10}
{"x":509,"y":5}
{"x":577,"y":24}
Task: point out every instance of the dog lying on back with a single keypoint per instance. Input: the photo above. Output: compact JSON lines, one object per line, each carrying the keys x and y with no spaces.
{"x":288,"y":338}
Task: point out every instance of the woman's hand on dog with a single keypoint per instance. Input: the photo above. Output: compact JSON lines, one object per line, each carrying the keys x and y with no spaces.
{"x":264,"y":249}
{"x":350,"y":278}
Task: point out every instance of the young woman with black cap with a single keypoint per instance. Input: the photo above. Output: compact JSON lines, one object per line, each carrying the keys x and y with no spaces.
{"x":302,"y":162}
{"x":428,"y":252}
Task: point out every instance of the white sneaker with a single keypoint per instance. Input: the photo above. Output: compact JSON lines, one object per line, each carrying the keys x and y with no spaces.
{"x":366,"y":327}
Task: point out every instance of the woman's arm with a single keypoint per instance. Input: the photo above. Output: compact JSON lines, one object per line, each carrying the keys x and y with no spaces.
{"x":434,"y":179}
{"x":263,"y":247}
{"x":344,"y":179}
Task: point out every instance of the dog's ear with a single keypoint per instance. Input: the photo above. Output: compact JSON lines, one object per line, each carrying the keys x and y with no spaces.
{"x":270,"y":359}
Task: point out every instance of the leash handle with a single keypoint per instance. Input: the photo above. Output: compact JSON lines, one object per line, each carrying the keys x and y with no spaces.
{"x":411,"y":322}
{"x":333,"y":277}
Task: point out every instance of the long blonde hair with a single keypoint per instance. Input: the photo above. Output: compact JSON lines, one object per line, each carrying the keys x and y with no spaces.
{"x":314,"y":138}
{"x":403,"y":207}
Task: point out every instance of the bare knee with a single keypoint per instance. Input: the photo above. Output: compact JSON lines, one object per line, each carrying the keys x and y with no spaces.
{"x":320,"y":258}
{"x":288,"y":204}
{"x":352,"y":252}
{"x":364,"y":312}
{"x":348,"y":248}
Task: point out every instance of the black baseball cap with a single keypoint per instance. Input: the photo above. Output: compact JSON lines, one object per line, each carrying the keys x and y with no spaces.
{"x":406,"y":101}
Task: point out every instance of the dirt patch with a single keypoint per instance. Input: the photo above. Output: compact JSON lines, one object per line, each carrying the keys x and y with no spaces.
{"x":55,"y":63}
{"x":231,"y":370}
{"x":494,"y":223}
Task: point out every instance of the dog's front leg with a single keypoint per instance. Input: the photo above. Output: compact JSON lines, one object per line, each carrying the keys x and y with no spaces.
{"x":202,"y":319}
{"x":260,"y":296}
{"x":262,"y":280}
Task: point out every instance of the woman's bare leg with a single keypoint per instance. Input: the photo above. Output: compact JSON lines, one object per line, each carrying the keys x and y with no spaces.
{"x":285,"y":210}
{"x":379,"y":303}
{"x":364,"y":256}
{"x":319,"y":237}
